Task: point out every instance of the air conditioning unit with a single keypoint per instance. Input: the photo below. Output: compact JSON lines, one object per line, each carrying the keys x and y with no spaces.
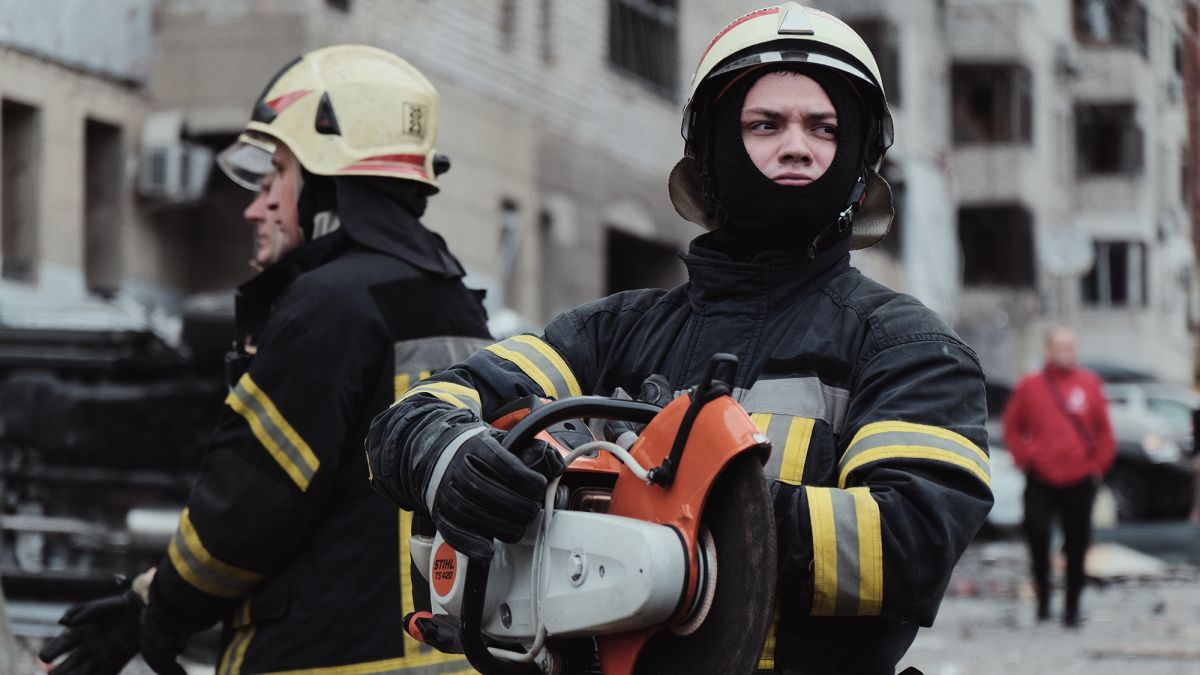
{"x":172,"y":171}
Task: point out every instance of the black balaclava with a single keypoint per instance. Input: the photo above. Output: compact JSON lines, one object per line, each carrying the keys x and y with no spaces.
{"x":759,"y":213}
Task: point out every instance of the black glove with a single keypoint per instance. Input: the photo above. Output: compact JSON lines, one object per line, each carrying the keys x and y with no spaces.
{"x":487,"y":492}
{"x":100,"y":638}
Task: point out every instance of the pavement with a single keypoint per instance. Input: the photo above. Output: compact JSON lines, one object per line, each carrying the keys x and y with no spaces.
{"x":1141,"y":613}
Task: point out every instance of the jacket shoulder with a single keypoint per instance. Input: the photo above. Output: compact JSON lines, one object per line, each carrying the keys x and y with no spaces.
{"x":889,"y":317}
{"x":636,"y":302}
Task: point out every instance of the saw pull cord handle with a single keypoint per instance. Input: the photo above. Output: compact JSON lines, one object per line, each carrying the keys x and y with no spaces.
{"x":540,"y":549}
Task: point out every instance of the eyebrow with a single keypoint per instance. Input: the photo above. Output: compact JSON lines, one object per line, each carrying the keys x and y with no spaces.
{"x":771,"y":113}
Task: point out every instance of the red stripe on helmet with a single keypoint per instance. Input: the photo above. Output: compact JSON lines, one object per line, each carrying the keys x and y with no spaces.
{"x":419,"y":160}
{"x":280,"y":103}
{"x":752,"y":15}
{"x":385,"y":168}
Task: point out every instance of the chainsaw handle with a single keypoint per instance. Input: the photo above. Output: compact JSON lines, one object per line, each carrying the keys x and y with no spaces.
{"x":471,"y":617}
{"x":575,"y":407}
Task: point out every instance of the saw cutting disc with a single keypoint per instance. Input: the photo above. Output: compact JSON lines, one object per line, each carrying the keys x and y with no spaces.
{"x":739,"y":516}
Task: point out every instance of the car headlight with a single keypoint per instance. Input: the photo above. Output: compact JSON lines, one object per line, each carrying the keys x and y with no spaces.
{"x":1161,"y":449}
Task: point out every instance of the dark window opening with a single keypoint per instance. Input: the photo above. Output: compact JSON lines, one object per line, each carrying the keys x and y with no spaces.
{"x":633,"y":262}
{"x":997,"y":246}
{"x":104,"y":167}
{"x":508,"y":24}
{"x":1112,"y":22}
{"x":884,"y":42}
{"x":546,"y":28}
{"x":1118,"y":279}
{"x":1108,"y":139}
{"x":992,"y":103}
{"x":20,"y":166}
{"x":510,"y":249}
{"x":643,"y":40}
{"x":339,"y":5}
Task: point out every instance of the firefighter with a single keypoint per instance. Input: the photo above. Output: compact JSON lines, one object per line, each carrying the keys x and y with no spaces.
{"x":874,"y":407}
{"x":281,"y":538}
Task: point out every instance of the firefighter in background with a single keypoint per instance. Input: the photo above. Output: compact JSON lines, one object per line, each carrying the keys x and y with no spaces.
{"x":282,"y":538}
{"x":874,"y":407}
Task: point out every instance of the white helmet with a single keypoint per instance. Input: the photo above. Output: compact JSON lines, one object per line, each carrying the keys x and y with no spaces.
{"x":779,"y":34}
{"x":346,"y":110}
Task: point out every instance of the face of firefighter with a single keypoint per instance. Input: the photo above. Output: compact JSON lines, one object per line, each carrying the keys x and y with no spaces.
{"x":273,"y":212}
{"x":1060,"y":348}
{"x":789,"y":126}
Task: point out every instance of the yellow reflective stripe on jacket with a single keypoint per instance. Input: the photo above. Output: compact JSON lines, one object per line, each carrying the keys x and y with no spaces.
{"x":766,"y":658}
{"x":273,"y":431}
{"x":420,"y":658}
{"x":397,"y":666}
{"x":235,"y":653}
{"x":541,"y":363}
{"x":905,"y":440}
{"x":790,"y":437}
{"x":847,"y":552}
{"x":402,"y":381}
{"x":201,"y":569}
{"x":457,"y":395}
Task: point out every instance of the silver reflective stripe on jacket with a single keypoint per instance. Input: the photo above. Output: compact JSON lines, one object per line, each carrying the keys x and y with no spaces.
{"x":797,"y":397}
{"x":433,"y":353}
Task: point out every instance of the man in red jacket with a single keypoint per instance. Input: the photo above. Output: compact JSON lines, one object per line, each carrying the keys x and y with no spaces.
{"x":1057,"y":429}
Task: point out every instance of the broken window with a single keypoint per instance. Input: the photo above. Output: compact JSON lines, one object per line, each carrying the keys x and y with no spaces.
{"x":643,"y":38}
{"x":997,"y":245}
{"x":992,"y":103}
{"x":1108,"y":139}
{"x":1118,"y":279}
{"x":1111,"y":22}
{"x":20,"y":166}
{"x":884,"y":41}
{"x":104,"y":165}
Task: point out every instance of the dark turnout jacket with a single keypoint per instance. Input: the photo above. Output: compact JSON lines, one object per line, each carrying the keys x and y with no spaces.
{"x":282,"y":538}
{"x":874,"y":408}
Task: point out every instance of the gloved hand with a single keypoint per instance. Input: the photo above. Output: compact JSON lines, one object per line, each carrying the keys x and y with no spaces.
{"x":655,"y":390}
{"x":101,"y":636}
{"x":479,"y":491}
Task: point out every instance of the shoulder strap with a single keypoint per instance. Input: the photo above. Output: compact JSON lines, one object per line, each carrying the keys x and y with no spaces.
{"x":1062,"y":407}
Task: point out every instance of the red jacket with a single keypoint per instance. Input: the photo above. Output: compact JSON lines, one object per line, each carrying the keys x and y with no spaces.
{"x":1043,"y":439}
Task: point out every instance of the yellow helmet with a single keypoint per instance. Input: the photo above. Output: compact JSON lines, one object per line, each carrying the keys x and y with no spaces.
{"x":346,"y":110}
{"x":780,"y":34}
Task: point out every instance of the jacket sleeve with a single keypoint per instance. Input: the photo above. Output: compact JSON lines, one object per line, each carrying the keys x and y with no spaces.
{"x":271,"y":464}
{"x":1016,"y":429}
{"x":912,"y":489}
{"x":406,"y":440}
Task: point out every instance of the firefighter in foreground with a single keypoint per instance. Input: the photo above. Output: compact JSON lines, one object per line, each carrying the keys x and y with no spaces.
{"x":281,"y":538}
{"x":874,"y":407}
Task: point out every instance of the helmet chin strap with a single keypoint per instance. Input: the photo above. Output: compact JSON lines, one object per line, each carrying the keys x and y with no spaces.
{"x":839,"y":226}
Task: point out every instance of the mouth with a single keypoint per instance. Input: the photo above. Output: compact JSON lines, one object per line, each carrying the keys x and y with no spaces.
{"x":794,"y":179}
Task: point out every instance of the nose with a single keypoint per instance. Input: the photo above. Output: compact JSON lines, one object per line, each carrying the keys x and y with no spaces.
{"x":256,"y":210}
{"x":794,"y":146}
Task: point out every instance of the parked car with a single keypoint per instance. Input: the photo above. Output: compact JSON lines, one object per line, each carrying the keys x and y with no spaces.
{"x":1152,"y":476}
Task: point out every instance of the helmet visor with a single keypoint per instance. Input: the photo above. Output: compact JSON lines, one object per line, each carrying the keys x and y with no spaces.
{"x":247,"y":161}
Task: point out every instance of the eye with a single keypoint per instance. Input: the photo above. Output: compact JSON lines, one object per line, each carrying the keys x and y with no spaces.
{"x":759,"y":125}
{"x":826,"y":130}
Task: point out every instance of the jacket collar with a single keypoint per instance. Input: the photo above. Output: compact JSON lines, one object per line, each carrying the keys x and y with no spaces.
{"x":254,"y":297}
{"x":720,"y":272}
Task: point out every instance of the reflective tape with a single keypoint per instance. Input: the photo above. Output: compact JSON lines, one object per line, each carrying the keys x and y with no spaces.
{"x":201,"y":569}
{"x":541,"y":363}
{"x":457,"y":395}
{"x":847,"y":552}
{"x":235,"y":653}
{"x":443,"y":461}
{"x":790,"y":438}
{"x":797,"y":397}
{"x":434,"y":353}
{"x":881,"y":441}
{"x":274,"y":432}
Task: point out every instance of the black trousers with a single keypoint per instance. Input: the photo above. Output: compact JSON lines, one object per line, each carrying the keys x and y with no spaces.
{"x":1073,"y":506}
